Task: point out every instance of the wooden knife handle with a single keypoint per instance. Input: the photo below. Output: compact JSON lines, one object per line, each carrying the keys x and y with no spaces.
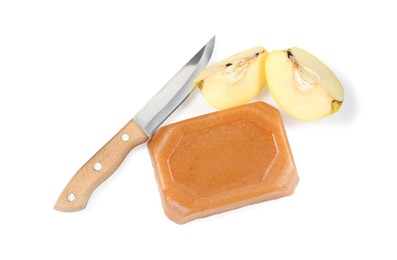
{"x":79,"y":189}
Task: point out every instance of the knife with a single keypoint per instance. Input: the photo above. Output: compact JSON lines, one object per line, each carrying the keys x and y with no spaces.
{"x":137,"y":131}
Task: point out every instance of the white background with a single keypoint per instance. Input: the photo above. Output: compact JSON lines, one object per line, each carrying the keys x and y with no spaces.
{"x":72,"y":73}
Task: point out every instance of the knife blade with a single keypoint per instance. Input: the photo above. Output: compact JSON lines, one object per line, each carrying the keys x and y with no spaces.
{"x":105,"y":162}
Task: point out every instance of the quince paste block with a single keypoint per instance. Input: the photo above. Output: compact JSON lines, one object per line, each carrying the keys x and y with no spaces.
{"x":222,"y":161}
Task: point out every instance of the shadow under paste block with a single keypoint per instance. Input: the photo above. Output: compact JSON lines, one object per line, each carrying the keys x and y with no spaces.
{"x":222,"y":161}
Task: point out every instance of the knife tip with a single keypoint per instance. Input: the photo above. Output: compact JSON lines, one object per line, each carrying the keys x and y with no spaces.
{"x":213,"y":38}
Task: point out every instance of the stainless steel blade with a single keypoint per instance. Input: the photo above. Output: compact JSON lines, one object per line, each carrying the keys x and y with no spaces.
{"x":157,"y":110}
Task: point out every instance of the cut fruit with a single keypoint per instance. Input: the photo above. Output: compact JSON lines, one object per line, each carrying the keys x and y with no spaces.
{"x":235,"y":80}
{"x":302,"y":85}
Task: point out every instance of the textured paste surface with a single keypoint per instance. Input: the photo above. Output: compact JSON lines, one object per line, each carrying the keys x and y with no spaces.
{"x":221,"y":161}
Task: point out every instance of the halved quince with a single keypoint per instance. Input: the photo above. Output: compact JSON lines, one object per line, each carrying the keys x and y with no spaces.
{"x":235,"y":80}
{"x":302,"y":85}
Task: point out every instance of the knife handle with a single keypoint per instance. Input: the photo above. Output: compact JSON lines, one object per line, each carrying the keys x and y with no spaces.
{"x":79,"y":189}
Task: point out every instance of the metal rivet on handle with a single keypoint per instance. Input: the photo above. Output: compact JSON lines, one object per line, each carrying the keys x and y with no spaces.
{"x":125,"y":137}
{"x":98,"y":166}
{"x":71,"y":197}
